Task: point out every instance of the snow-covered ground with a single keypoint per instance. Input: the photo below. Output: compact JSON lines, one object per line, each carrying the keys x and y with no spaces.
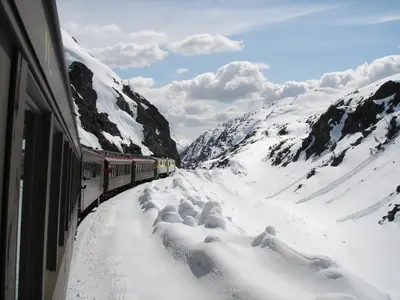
{"x":287,"y":202}
{"x":212,"y":234}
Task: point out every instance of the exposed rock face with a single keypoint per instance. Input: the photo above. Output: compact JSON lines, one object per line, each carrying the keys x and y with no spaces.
{"x":122,"y":104}
{"x":355,"y":117}
{"x":156,"y":127}
{"x":361,"y":119}
{"x":157,"y":136}
{"x":81,"y":79}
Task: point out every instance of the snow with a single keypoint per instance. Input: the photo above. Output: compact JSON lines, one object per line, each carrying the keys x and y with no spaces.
{"x":105,"y":82}
{"x":181,"y":141}
{"x":86,"y":138}
{"x":209,"y":234}
{"x":255,"y":230}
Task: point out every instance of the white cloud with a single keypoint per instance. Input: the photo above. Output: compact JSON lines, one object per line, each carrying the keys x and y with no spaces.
{"x":129,"y":55}
{"x":243,"y":81}
{"x":371,"y":20}
{"x":140,"y":82}
{"x":148,"y":37}
{"x":234,"y":81}
{"x":201,"y":102}
{"x":204,"y":44}
{"x":227,"y":113}
{"x":363,"y":74}
{"x":181,"y":71}
{"x":179,"y":19}
{"x":261,"y":65}
{"x":196,"y":109}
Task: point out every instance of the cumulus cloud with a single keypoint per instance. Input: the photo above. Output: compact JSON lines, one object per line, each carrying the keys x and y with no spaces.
{"x":227,"y":113}
{"x":181,"y":71}
{"x":236,"y":80}
{"x":148,"y":37}
{"x":242,"y":80}
{"x":129,"y":55}
{"x":140,"y":82}
{"x":204,"y":44}
{"x":261,"y":65}
{"x":363,"y":74}
{"x":199,"y":102}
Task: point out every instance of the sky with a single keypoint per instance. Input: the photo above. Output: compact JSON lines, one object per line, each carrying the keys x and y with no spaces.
{"x":204,"y":62}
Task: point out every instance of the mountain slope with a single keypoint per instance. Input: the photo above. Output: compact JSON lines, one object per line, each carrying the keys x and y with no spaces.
{"x":298,"y":200}
{"x":110,"y":115}
{"x":181,"y":142}
{"x":331,"y":159}
{"x":312,"y":123}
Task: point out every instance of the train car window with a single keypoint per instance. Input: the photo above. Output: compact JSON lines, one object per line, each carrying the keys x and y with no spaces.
{"x":93,"y":170}
{"x":55,"y":196}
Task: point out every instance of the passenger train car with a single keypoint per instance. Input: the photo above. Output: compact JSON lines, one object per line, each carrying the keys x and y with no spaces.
{"x":62,"y":180}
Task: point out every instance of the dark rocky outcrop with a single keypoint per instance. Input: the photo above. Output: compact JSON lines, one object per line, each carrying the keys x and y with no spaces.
{"x":122,"y":104}
{"x":391,"y":215}
{"x":85,"y":98}
{"x":337,"y":160}
{"x":283,"y":130}
{"x":319,"y":138}
{"x":157,"y":136}
{"x":362,"y":119}
{"x":156,"y":127}
{"x":311,"y":173}
{"x":393,"y":128}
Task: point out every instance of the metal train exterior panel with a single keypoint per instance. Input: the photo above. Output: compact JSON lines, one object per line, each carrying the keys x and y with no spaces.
{"x":118,"y":173}
{"x":92,"y":178}
{"x":171,"y":165}
{"x":161,"y":167}
{"x":62,"y":179}
{"x":144,"y":169}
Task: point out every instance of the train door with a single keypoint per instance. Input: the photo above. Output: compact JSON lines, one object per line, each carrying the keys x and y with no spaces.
{"x":107,"y":171}
{"x":28,"y":246}
{"x":12,"y":83}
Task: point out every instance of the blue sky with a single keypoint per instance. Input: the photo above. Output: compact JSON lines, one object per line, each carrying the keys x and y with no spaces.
{"x":302,"y":48}
{"x":298,"y":40}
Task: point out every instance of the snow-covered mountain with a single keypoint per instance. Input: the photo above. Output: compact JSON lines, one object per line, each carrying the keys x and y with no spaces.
{"x":110,"y":114}
{"x":326,"y":134}
{"x":329,"y":158}
{"x":181,"y":142}
{"x":317,"y":124}
{"x":298,"y":200}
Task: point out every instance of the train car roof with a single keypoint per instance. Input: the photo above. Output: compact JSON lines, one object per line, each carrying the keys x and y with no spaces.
{"x":143,"y":159}
{"x":118,"y":159}
{"x":88,"y":151}
{"x":160,"y":158}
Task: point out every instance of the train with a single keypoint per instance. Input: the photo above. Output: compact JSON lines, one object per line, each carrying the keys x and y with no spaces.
{"x":105,"y":173}
{"x":62,"y":180}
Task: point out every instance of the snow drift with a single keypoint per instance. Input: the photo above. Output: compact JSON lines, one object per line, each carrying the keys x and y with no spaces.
{"x":208,"y":235}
